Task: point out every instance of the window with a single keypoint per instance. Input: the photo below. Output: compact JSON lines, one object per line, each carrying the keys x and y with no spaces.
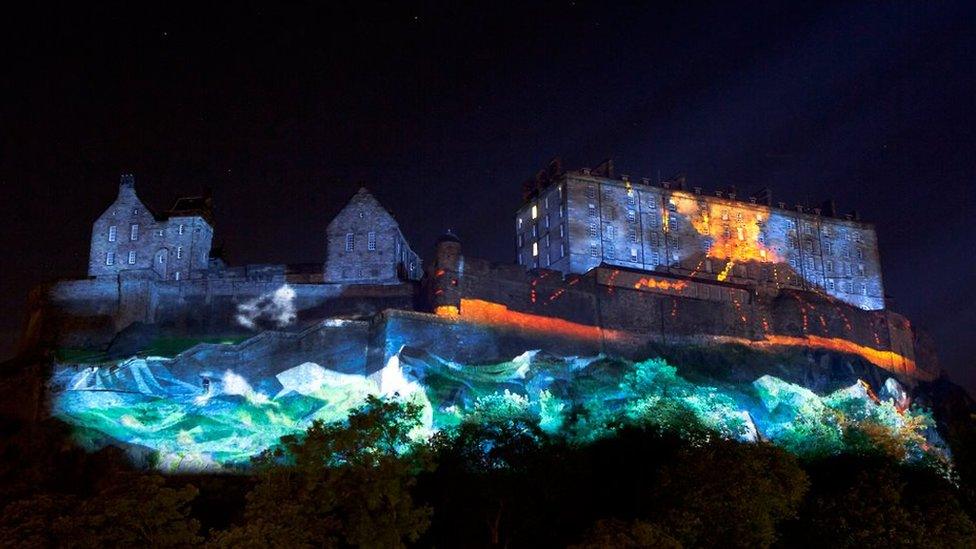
{"x":110,"y":258}
{"x":535,"y":231}
{"x":725,"y":215}
{"x":807,"y":229}
{"x":561,"y":211}
{"x":830,"y":285}
{"x":591,"y":191}
{"x":180,"y":230}
{"x":860,"y":253}
{"x":652,"y":204}
{"x":535,"y":249}
{"x":632,"y":234}
{"x":179,"y":252}
{"x":594,"y":250}
{"x":608,"y":232}
{"x":673,"y":206}
{"x":562,"y":250}
{"x":546,"y":221}
{"x":562,"y":231}
{"x":860,"y":269}
{"x":591,"y":210}
{"x":631,"y":216}
{"x":176,"y":275}
{"x":350,"y":242}
{"x":633,"y":255}
{"x":547,"y":203}
{"x":630,"y":197}
{"x":592,"y":229}
{"x":113,"y":233}
{"x":134,"y":232}
{"x":161,"y":258}
{"x":609,"y":252}
{"x":132,"y":258}
{"x":535,"y":211}
{"x":518,"y":241}
{"x":740,"y":233}
{"x":547,"y":241}
{"x":808,"y":244}
{"x":826,"y":248}
{"x":159,"y":232}
{"x":371,"y":241}
{"x":829,"y":266}
{"x":519,"y":224}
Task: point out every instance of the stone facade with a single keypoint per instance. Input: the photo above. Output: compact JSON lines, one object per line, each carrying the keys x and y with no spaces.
{"x":128,"y":236}
{"x":581,"y":221}
{"x":364,"y":245}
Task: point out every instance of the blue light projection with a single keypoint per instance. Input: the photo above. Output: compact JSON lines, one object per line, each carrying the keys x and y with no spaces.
{"x":220,"y":422}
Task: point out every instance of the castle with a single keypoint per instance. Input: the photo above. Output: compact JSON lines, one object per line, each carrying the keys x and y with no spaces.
{"x":603,"y":264}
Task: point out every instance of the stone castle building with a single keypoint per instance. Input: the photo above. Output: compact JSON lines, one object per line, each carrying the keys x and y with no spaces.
{"x":174,"y":244}
{"x":575,"y":221}
{"x":364,"y":244}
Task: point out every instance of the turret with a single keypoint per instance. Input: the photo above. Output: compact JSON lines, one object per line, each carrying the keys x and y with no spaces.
{"x":444,"y":290}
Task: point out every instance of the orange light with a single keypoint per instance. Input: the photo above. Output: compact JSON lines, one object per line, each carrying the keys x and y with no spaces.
{"x":738,"y":245}
{"x":446,"y":310}
{"x":497,"y":315}
{"x":660,"y":284}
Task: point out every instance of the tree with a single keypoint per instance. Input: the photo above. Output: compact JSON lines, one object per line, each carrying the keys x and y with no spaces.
{"x":338,"y":483}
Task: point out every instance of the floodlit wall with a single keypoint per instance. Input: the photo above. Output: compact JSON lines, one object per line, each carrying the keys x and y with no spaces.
{"x":582,"y":221}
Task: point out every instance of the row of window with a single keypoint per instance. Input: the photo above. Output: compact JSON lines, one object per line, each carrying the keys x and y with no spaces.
{"x":370,"y":241}
{"x":110,"y":256}
{"x":113,"y":232}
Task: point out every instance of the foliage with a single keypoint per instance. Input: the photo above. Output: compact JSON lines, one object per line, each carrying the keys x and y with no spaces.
{"x":338,"y":483}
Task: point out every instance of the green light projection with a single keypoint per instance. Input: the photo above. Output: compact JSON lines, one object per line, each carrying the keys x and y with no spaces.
{"x":219,"y":421}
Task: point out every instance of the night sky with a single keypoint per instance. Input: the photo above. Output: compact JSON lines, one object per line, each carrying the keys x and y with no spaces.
{"x":443,"y":111}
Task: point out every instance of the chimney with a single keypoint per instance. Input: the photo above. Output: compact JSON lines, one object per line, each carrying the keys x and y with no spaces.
{"x":127,"y":180}
{"x":829,"y":208}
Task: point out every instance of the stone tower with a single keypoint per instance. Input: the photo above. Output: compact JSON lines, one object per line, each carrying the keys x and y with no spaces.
{"x":364,"y":245}
{"x":444,"y":276}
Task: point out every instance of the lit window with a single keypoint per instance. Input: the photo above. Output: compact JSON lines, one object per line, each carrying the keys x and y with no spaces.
{"x":132,"y":258}
{"x":535,"y":249}
{"x":371,"y":241}
{"x":179,"y":252}
{"x":535,"y":211}
{"x":110,"y":258}
{"x":350,"y":241}
{"x":633,"y":255}
{"x":759,"y":218}
{"x":725,"y":215}
{"x":113,"y":233}
{"x":176,"y":275}
{"x":134,"y":232}
{"x":519,"y":223}
{"x":740,"y":233}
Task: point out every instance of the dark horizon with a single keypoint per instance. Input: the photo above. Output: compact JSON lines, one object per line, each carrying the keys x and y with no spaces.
{"x":443,"y":112}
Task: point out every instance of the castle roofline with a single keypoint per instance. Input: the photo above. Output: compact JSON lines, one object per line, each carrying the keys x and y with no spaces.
{"x":761,"y":198}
